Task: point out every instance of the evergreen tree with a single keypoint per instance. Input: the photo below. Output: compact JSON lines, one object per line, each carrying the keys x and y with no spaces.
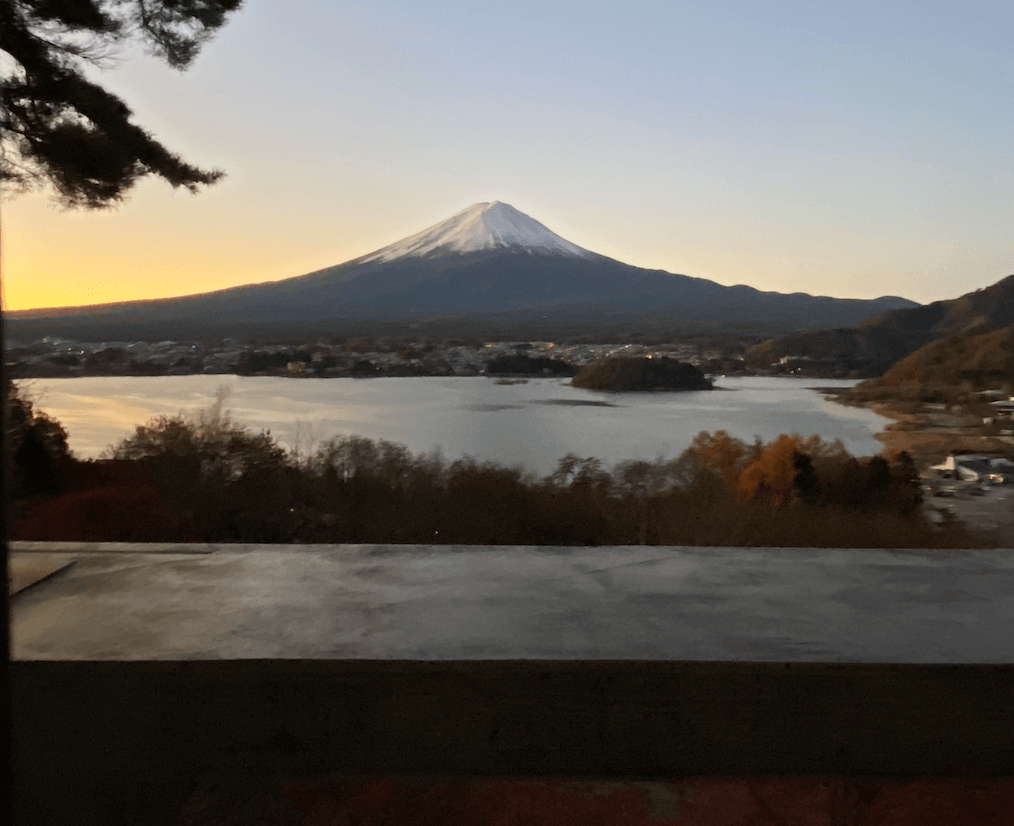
{"x":58,"y":127}
{"x":806,"y":481}
{"x":36,"y":444}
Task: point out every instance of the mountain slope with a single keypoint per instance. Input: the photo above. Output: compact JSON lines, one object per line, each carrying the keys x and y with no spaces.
{"x":873,"y":345}
{"x":946,"y":369}
{"x":490,"y":262}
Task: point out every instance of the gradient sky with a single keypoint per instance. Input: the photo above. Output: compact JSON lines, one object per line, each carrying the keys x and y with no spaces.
{"x":854,"y":150}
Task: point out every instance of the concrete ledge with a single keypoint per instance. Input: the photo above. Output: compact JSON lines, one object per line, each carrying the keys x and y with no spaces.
{"x":441,"y":603}
{"x":127,"y":740}
{"x":24,"y":573}
{"x":22,"y":546}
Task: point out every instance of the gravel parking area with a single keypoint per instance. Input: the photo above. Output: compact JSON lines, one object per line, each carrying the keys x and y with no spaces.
{"x":990,"y":514}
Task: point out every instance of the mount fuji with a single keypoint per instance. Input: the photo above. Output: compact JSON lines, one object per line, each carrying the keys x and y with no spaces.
{"x":481,"y":227}
{"x":490,"y":266}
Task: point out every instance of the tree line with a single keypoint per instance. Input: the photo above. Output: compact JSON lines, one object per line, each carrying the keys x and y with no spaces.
{"x":206,"y":478}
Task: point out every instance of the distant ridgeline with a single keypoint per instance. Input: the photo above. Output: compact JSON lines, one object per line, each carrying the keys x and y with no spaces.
{"x":644,"y":373}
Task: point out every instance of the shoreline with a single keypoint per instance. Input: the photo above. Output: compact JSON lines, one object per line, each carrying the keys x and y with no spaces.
{"x":925,"y":436}
{"x":929,"y":437}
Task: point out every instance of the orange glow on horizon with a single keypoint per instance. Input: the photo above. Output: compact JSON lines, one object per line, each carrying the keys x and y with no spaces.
{"x":165,"y":246}
{"x":151,"y":249}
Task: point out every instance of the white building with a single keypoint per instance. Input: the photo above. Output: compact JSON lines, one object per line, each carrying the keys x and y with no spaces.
{"x":976,"y":468}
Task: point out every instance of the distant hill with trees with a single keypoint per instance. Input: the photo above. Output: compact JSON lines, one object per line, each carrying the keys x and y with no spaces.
{"x":640,"y":373}
{"x":947,"y":370}
{"x":872,"y":346}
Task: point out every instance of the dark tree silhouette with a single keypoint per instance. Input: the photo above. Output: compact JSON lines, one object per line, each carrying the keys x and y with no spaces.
{"x":37,"y":445}
{"x":806,"y":481}
{"x":58,"y":127}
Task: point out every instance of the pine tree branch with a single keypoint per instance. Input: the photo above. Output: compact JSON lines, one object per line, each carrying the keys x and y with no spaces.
{"x":58,"y":127}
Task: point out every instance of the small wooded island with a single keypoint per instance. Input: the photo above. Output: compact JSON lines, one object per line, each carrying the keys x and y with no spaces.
{"x":639,"y":374}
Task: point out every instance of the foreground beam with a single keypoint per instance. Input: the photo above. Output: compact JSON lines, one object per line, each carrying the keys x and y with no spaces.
{"x":111,"y":730}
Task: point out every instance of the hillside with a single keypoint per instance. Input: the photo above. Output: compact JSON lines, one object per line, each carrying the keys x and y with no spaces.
{"x":872,"y":346}
{"x":947,"y":370}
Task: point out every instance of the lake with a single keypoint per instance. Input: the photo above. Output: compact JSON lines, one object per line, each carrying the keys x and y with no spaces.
{"x":531,"y":424}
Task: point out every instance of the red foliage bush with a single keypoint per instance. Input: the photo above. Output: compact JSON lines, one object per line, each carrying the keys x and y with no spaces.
{"x":112,"y":501}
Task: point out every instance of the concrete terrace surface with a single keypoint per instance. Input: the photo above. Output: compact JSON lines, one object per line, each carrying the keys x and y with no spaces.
{"x":390,"y":602}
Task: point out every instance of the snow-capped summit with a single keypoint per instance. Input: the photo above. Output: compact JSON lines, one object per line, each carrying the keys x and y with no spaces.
{"x":481,"y":227}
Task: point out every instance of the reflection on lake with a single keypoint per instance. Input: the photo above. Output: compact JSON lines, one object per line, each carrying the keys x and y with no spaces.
{"x":532,"y":424}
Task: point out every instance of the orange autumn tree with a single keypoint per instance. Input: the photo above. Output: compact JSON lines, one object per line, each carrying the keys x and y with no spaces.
{"x":723,"y":455}
{"x":771,"y":476}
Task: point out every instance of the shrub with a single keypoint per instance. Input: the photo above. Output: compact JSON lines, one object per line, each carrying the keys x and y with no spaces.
{"x":232,"y":484}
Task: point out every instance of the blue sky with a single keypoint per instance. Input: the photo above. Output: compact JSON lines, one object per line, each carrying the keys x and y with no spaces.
{"x":851,"y":149}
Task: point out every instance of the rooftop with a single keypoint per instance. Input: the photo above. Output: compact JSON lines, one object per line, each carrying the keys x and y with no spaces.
{"x":109,"y":601}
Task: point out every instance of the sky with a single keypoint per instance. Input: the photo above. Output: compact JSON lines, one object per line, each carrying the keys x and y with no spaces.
{"x":853,"y":150}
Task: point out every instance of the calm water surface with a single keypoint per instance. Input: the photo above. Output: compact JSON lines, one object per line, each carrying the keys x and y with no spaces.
{"x":531,"y":424}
